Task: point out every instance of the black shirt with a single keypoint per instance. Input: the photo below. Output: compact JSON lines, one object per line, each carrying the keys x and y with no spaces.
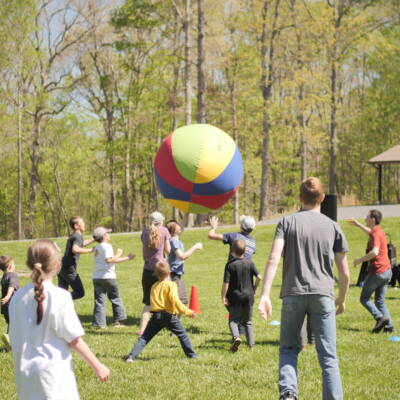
{"x":239,"y":274}
{"x":70,"y":259}
{"x":9,"y":279}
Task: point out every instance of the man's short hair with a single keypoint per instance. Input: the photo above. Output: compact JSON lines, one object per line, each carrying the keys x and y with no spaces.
{"x":311,"y":191}
{"x":73,"y":221}
{"x":376,"y":215}
{"x":239,"y":247}
{"x":161,"y":270}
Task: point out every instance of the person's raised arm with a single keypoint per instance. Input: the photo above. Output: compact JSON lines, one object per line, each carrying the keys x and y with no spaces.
{"x":84,"y":351}
{"x":344,"y":278}
{"x":214,"y":225}
{"x":265,"y":306}
{"x":354,"y":222}
{"x":80,"y":250}
{"x":184,"y":255}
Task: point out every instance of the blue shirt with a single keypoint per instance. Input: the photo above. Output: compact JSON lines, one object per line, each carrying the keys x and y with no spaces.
{"x":175,"y":263}
{"x":230,"y":237}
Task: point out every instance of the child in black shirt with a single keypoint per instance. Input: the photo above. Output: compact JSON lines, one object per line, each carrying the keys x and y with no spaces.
{"x":237,"y":293}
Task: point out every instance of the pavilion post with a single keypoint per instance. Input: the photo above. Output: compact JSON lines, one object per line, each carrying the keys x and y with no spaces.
{"x":379,"y":183}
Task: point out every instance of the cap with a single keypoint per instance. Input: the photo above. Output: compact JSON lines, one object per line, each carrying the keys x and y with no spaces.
{"x":247,"y":223}
{"x":156,"y":218}
{"x":99,"y":232}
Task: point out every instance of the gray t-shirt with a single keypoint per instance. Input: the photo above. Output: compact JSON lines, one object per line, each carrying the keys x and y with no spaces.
{"x":311,"y":239}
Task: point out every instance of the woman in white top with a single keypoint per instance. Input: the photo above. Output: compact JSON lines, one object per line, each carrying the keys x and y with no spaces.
{"x":43,"y":328}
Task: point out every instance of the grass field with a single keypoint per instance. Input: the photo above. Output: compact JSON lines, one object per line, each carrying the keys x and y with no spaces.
{"x":368,"y":362}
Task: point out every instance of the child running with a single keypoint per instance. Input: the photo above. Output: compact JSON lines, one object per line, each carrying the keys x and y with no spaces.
{"x":105,"y":279}
{"x":68,"y":275}
{"x":177,"y":256}
{"x":9,"y":284}
{"x":43,"y":329}
{"x":237,"y":292}
{"x":165,"y":307}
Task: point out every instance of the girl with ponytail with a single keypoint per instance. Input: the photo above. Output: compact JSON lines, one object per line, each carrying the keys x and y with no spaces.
{"x":155,"y":240}
{"x":43,"y":328}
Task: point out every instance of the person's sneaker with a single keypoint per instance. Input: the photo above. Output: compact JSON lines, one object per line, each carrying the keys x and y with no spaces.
{"x":118,"y":324}
{"x":388,"y":329}
{"x":128,"y":358}
{"x":288,"y":396}
{"x":6,"y":341}
{"x":235,"y":345}
{"x":99,"y":326}
{"x":380,"y":324}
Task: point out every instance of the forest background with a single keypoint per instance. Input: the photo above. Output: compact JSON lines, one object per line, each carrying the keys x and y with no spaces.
{"x":90,"y":88}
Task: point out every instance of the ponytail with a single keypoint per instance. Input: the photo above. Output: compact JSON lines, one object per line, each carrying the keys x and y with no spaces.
{"x":154,"y":237}
{"x":37,"y":278}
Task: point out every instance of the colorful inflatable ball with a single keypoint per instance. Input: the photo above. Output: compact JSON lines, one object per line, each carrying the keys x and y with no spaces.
{"x":198,"y":168}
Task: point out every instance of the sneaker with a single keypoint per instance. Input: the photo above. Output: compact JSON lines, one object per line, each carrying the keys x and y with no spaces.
{"x":380,"y":324}
{"x":118,"y":324}
{"x":128,"y":358}
{"x":388,"y":329}
{"x":288,"y":396}
{"x":6,"y":341}
{"x":235,"y":345}
{"x":99,"y":326}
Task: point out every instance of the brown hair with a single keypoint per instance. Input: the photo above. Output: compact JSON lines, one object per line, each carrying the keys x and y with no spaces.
{"x":171,"y":226}
{"x":239,"y":247}
{"x":5,"y":261}
{"x":161,"y":270}
{"x":73,"y":221}
{"x":154,"y":236}
{"x":43,"y":259}
{"x":311,"y":191}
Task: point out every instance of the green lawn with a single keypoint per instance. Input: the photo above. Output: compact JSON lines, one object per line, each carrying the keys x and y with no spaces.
{"x":368,"y":362}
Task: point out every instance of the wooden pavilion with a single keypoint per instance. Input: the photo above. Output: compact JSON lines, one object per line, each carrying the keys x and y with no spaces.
{"x":391,"y":156}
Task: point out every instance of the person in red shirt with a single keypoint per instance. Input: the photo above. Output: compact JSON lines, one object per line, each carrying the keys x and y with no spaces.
{"x":379,"y":271}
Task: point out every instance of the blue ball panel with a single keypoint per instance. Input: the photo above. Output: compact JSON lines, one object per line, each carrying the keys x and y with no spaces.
{"x":169,"y":191}
{"x":229,"y":179}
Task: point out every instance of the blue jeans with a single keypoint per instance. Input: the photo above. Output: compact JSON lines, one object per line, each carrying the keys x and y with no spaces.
{"x":378,"y":284}
{"x":109,"y":287}
{"x":321,"y":312}
{"x":158,"y":321}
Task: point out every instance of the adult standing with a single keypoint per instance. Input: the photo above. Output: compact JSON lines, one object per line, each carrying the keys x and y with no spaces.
{"x":155,"y":242}
{"x":309,"y":242}
{"x":379,"y":271}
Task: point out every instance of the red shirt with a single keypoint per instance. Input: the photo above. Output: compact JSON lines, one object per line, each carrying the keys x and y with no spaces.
{"x":380,"y":263}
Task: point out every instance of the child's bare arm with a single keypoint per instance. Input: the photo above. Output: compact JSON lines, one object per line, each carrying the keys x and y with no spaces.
{"x":84,"y":351}
{"x":187,"y":254}
{"x":7,"y":297}
{"x":224,"y":291}
{"x":258,"y":280}
{"x":214,"y":225}
{"x":118,"y":259}
{"x":80,"y":250}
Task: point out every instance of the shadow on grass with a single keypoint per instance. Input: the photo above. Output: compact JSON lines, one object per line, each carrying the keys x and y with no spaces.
{"x":352,"y":329}
{"x":88,"y":319}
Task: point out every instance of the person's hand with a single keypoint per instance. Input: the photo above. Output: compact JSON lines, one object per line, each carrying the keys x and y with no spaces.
{"x":193,"y":315}
{"x":131,"y":256}
{"x":353,"y":221}
{"x":265,"y":307}
{"x":118,"y":253}
{"x":198,"y":246}
{"x":4,"y":300}
{"x":357,"y":261}
{"x":108,"y":230}
{"x":102,"y":372}
{"x":225,"y":301}
{"x":214,"y":222}
{"x":340,"y":306}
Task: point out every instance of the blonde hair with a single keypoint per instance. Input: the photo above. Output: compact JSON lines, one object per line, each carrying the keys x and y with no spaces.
{"x":43,"y":259}
{"x":154,"y":236}
{"x":311,"y":191}
{"x":161,"y":270}
{"x":5,"y":261}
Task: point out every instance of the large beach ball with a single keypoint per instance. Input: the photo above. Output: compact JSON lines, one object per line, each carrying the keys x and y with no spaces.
{"x":198,"y":168}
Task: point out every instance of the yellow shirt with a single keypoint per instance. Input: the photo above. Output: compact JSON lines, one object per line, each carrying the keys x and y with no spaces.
{"x":164,"y":297}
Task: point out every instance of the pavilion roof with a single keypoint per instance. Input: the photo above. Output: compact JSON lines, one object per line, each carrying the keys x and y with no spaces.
{"x":387,"y":157}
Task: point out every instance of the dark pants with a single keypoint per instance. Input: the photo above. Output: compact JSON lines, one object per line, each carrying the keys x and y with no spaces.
{"x":158,"y":321}
{"x":4,"y":311}
{"x":66,"y":279}
{"x":240,"y":319}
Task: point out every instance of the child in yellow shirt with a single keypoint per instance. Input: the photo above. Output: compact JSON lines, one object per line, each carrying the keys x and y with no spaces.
{"x":165,"y":307}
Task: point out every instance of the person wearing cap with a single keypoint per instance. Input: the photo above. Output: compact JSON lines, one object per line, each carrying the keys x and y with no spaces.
{"x":105,"y":279}
{"x":155,"y":243}
{"x":68,"y":275}
{"x":247,"y":224}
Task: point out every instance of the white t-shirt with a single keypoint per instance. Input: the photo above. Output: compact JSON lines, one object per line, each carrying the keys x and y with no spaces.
{"x":102,"y":269}
{"x":42,"y":359}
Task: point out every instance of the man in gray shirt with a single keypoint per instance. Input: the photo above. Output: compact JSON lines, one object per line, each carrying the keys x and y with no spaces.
{"x":309,"y":242}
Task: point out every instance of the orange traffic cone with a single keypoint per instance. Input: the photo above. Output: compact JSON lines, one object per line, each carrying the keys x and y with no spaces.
{"x":194,"y":300}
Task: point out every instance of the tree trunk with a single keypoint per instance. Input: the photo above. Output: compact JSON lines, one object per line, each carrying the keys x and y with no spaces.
{"x":111,"y":172}
{"x":19,"y":167}
{"x":333,"y":129}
